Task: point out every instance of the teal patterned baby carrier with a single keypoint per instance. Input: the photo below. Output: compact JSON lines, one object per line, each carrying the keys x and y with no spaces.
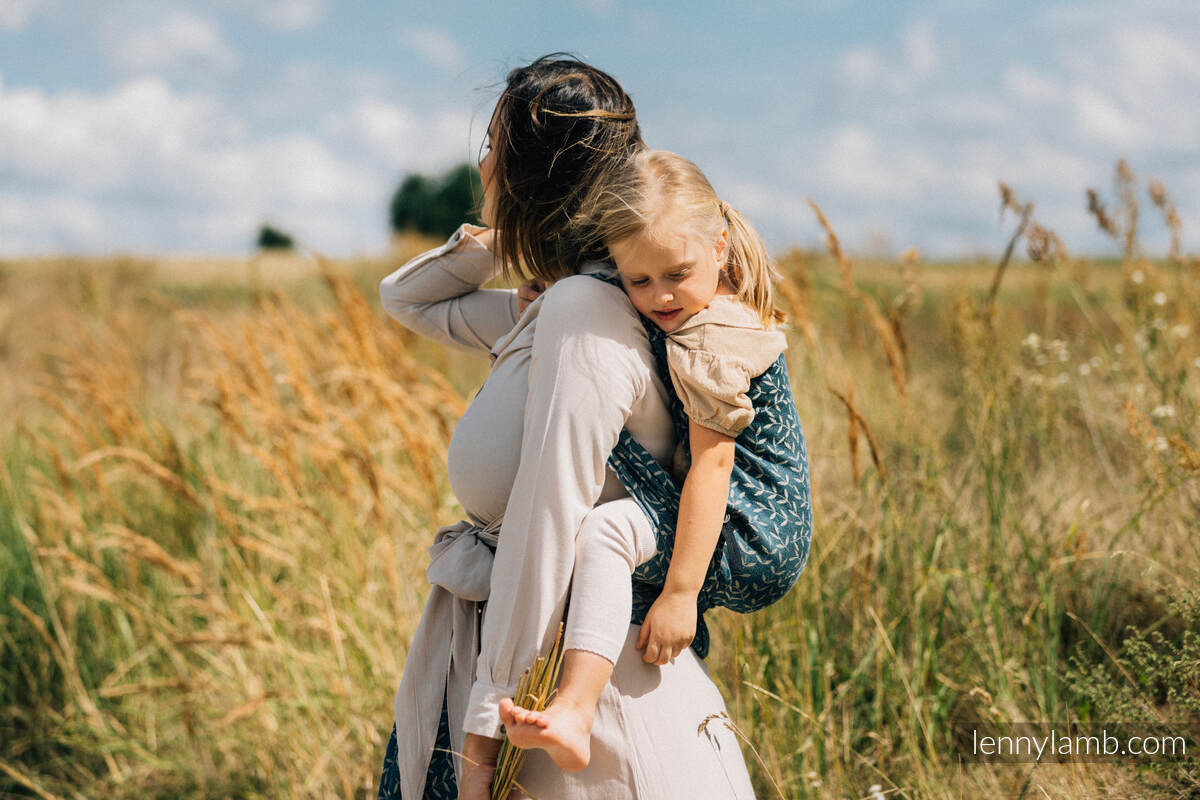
{"x":768,"y":520}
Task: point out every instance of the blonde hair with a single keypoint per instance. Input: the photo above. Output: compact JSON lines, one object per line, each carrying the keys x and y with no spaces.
{"x":655,"y":192}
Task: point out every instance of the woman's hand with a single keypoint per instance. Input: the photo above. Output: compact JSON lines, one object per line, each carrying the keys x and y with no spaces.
{"x":669,"y":627}
{"x":527,"y":292}
{"x":485,"y":236}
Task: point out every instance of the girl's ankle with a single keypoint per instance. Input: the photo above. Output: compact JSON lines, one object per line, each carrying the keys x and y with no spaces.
{"x":576,"y":705}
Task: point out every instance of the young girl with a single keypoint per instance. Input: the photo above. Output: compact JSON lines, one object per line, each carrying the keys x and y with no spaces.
{"x":738,"y":533}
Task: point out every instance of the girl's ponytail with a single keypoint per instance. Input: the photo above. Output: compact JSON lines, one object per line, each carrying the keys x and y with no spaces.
{"x":748,"y":267}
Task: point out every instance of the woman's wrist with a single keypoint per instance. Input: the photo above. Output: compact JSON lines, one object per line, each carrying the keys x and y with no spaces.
{"x":482,"y":750}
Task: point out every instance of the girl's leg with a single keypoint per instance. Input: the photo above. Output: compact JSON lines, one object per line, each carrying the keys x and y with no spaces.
{"x":615,"y":537}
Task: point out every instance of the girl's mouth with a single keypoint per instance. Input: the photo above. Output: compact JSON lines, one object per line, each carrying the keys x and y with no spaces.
{"x":666,"y":316}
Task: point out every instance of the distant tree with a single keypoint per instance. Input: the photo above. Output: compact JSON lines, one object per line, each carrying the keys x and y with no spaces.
{"x":271,"y":238}
{"x":437,"y":206}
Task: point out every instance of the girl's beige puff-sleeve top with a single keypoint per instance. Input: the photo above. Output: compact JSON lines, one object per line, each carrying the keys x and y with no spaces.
{"x":712,"y":358}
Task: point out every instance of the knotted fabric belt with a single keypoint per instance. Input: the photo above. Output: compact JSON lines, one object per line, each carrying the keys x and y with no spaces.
{"x":441,"y":659}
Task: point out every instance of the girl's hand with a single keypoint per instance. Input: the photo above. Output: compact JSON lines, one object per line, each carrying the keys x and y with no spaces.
{"x":527,"y":292}
{"x":670,"y":627}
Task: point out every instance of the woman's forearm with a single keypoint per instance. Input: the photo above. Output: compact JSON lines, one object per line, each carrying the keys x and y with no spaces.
{"x":437,"y":293}
{"x":701,"y":509}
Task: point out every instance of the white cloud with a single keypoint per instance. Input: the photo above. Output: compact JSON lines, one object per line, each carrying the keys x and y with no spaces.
{"x":867,"y":68}
{"x":967,"y":112}
{"x":861,"y":67}
{"x":1132,"y":86}
{"x":143,"y":136}
{"x":145,"y":167}
{"x":1100,"y":119}
{"x":16,"y":14}
{"x":181,"y":40}
{"x":1156,"y":56}
{"x":97,"y":142}
{"x":389,"y":129}
{"x":435,"y":46}
{"x":918,"y":155}
{"x":101,"y":162}
{"x":936,"y":188}
{"x":852,"y":162}
{"x":923,"y":123}
{"x":1155,"y":75}
{"x":29,"y":220}
{"x":1028,"y":85}
{"x":920,"y":50}
{"x":859,"y":164}
{"x":780,"y":209}
{"x":407,"y":140}
{"x":298,"y":167}
{"x":291,"y":15}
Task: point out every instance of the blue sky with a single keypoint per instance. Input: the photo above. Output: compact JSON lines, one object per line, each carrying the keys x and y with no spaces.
{"x":179,"y":127}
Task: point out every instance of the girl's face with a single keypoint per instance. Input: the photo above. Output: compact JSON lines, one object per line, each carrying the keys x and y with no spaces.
{"x":487,"y":171}
{"x":671,"y":278}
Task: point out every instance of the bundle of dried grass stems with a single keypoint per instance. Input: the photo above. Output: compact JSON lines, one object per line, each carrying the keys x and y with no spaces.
{"x":535,"y":691}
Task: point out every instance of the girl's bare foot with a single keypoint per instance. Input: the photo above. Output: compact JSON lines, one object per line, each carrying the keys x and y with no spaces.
{"x":563,"y":730}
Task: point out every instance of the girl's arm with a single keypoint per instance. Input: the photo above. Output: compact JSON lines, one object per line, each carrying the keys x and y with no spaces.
{"x":670,"y":624}
{"x":437,"y":294}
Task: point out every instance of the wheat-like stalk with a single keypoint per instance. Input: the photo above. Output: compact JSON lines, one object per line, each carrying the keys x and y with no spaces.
{"x":1025,"y":213}
{"x":887,"y":336}
{"x":845,"y":267}
{"x":723,"y":718}
{"x":1096,"y":209}
{"x":1161,"y":199}
{"x":856,"y":422}
{"x":1126,"y":184}
{"x":535,"y":691}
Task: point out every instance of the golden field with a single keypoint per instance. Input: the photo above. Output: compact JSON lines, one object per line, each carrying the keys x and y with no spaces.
{"x":219,"y":478}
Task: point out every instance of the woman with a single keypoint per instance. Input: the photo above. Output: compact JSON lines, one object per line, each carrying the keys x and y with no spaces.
{"x":569,"y":373}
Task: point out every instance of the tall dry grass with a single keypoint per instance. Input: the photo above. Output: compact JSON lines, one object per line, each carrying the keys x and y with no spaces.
{"x":211,"y":547}
{"x":1015,"y":523}
{"x":216,"y":501}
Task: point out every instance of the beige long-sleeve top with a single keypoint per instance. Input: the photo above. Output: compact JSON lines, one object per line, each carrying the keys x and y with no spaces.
{"x":531,"y":449}
{"x":535,"y":458}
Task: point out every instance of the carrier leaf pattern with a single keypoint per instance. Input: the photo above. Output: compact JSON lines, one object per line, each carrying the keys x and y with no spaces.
{"x":767,"y":533}
{"x":440,"y":781}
